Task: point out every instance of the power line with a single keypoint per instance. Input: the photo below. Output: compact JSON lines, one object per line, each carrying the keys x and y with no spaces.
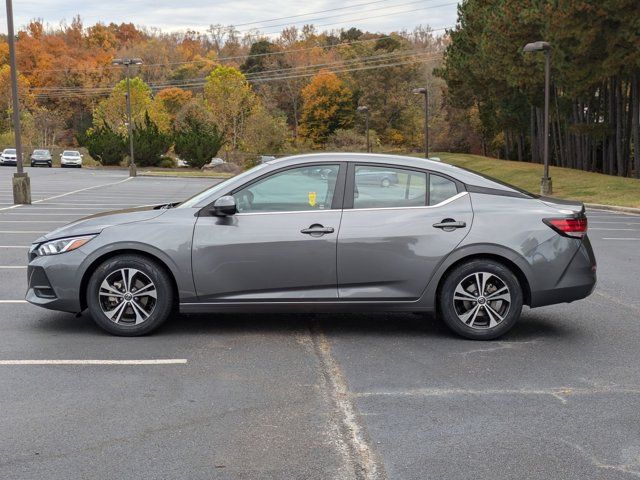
{"x":249,"y":76}
{"x":419,"y":58}
{"x":310,"y":13}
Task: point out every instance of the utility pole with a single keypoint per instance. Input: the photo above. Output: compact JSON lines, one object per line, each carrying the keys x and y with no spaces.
{"x":425,"y":92}
{"x":21,"y":182}
{"x":364,"y":109}
{"x":546,"y":187}
{"x":127,"y":62}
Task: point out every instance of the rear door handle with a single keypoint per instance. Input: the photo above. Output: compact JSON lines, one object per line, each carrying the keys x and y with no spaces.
{"x":317,"y":230}
{"x":449,"y":224}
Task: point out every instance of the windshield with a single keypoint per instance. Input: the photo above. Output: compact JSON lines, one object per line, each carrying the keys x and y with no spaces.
{"x":10,"y":151}
{"x":219,"y":188}
{"x":40,"y":152}
{"x":71,"y":153}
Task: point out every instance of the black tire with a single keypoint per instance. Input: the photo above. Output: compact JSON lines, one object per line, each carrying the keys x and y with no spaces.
{"x":159,"y":310}
{"x":498,"y":277}
{"x":50,"y":165}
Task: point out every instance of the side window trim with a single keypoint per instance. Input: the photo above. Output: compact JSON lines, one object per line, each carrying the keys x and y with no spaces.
{"x":338,"y":194}
{"x":350,"y":183}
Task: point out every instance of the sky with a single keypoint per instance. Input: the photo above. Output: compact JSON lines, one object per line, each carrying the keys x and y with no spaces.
{"x":180,"y":15}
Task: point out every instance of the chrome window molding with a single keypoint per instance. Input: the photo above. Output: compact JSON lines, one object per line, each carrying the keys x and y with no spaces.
{"x":445,"y":202}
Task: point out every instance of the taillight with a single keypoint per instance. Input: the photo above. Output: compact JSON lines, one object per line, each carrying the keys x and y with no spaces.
{"x":569,"y":227}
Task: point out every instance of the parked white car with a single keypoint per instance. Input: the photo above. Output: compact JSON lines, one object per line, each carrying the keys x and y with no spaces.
{"x":71,"y":158}
{"x":8,"y":157}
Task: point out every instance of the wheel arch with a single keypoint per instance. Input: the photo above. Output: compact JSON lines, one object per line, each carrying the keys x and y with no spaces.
{"x":509,"y":258}
{"x":104,"y":256}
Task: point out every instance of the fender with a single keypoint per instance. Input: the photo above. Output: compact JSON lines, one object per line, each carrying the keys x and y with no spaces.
{"x":182,"y":277}
{"x":428,"y":298}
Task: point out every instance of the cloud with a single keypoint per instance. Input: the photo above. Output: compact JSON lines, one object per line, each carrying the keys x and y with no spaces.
{"x":197,"y":15}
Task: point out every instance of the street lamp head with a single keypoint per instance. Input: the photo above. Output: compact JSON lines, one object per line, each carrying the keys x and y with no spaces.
{"x":362,"y":109}
{"x":537,"y":47}
{"x":419,"y":91}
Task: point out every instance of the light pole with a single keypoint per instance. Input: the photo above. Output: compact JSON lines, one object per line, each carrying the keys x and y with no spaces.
{"x":127,"y":62}
{"x":546,"y":187}
{"x":425,"y":92}
{"x":21,"y":182}
{"x":364,"y":109}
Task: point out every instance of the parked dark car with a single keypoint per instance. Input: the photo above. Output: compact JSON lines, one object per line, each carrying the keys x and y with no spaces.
{"x":41,"y":157}
{"x":275,"y":238}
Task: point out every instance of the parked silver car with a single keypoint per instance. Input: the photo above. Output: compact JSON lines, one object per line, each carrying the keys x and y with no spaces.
{"x":275,"y":238}
{"x":41,"y":157}
{"x":8,"y":157}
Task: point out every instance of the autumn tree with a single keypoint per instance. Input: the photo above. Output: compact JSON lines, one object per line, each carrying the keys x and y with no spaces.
{"x":327,"y":106}
{"x":113,"y":110}
{"x":166,"y":104}
{"x":229,"y":98}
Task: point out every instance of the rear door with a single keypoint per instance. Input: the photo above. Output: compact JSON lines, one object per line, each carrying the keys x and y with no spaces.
{"x":280,"y":246}
{"x":398,"y":223}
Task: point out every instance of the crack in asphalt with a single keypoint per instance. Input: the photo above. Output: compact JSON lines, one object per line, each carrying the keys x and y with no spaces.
{"x":353,"y":442}
{"x":560,"y":393}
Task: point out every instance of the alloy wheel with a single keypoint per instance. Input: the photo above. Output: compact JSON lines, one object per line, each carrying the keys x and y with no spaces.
{"x":127,"y":296}
{"x":482,"y":300}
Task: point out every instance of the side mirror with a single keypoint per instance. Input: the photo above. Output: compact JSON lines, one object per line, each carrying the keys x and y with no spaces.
{"x":224,"y":206}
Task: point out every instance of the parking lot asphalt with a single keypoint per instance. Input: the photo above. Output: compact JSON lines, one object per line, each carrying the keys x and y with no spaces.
{"x":311,"y":396}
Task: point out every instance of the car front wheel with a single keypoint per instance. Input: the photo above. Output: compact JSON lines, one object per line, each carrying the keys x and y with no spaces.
{"x":129,"y":295}
{"x":480,"y":299}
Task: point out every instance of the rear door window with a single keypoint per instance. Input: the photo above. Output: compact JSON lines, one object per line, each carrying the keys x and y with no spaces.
{"x":384,"y":187}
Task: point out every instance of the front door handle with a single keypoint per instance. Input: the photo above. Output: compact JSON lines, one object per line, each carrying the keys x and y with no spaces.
{"x":449,"y":224}
{"x":317,"y":230}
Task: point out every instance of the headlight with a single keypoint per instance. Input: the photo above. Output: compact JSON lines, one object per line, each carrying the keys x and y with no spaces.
{"x":62,"y":245}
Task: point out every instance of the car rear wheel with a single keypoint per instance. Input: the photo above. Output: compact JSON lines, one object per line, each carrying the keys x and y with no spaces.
{"x":129,"y":295}
{"x":480,"y":300}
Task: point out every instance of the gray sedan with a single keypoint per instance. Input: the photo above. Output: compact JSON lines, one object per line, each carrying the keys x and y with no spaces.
{"x":437,"y":239}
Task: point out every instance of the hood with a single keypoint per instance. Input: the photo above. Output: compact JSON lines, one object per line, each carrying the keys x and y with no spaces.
{"x":98,"y":222}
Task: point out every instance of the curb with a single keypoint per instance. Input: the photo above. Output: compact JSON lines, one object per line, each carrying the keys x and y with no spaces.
{"x":613,"y":208}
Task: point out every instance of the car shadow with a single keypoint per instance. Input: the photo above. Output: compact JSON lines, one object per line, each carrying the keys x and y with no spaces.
{"x":398,"y":325}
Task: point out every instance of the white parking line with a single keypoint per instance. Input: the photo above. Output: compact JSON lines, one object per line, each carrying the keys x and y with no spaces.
{"x":13,"y":266}
{"x":23,"y":231}
{"x":157,"y":361}
{"x":13,"y":301}
{"x":618,"y":229}
{"x":627,"y":238}
{"x":31,"y":221}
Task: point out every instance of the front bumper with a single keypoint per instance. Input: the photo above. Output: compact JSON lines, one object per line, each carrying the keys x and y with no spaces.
{"x":71,"y":163}
{"x":54,"y":281}
{"x":10,"y":161}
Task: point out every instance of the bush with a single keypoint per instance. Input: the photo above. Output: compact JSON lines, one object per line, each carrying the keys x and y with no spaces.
{"x":149,"y":143}
{"x":167,"y":162}
{"x":104,"y":145}
{"x":196,"y":136}
{"x":350,"y":140}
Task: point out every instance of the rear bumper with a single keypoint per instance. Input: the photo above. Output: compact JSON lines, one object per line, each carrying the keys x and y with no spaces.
{"x":577,"y":281}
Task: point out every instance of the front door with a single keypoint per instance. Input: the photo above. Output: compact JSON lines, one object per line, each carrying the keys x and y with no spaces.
{"x":280,"y":246}
{"x":395,"y":231}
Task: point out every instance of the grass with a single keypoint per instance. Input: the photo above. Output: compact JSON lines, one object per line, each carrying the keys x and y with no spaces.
{"x":184,"y":173}
{"x":570,"y":184}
